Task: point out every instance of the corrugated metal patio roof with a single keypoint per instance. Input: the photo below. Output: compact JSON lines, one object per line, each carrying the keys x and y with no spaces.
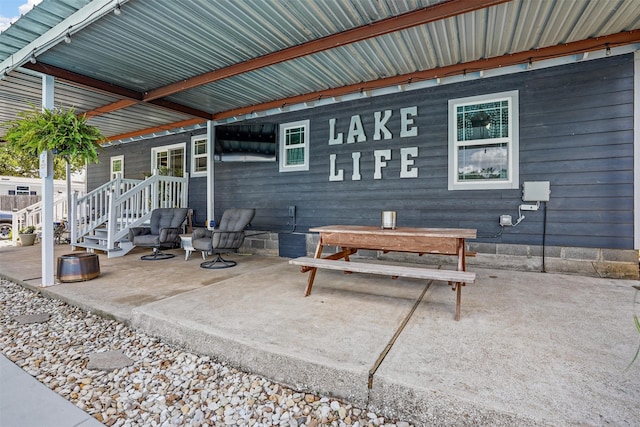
{"x":162,"y":65}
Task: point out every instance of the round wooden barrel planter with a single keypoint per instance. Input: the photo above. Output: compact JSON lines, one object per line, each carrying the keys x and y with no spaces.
{"x":78,"y":267}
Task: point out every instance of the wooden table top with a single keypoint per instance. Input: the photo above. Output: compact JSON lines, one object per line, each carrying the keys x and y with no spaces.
{"x":457,"y":233}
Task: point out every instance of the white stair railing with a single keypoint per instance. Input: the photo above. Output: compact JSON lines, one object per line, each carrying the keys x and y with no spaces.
{"x":125,"y":203}
{"x":133,"y":208}
{"x":32,"y":215}
{"x":91,"y":210}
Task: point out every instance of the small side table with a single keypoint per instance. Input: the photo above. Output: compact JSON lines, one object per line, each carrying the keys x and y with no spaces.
{"x":187,"y":244}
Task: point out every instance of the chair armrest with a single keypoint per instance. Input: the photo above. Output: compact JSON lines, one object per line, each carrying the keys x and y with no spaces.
{"x":199,"y":233}
{"x":138,"y":231}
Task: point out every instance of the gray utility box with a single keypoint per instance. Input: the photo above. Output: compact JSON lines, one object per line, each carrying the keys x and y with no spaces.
{"x":536,"y":191}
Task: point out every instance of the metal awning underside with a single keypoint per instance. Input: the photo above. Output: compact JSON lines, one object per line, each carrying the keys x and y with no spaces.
{"x":164,"y":65}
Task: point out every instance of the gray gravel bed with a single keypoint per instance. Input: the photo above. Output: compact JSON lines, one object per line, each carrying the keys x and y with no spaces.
{"x":162,"y":385}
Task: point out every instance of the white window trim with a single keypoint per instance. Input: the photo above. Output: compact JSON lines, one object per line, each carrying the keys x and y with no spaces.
{"x":155,"y":150}
{"x":111,"y":161}
{"x":283,"y":157}
{"x":513,"y":180}
{"x":195,"y":156}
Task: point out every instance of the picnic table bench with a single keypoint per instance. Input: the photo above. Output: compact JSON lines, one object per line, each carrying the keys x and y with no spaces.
{"x":415,"y":240}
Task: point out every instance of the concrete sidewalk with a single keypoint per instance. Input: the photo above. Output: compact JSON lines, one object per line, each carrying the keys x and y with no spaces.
{"x":25,"y":402}
{"x":530,"y":348}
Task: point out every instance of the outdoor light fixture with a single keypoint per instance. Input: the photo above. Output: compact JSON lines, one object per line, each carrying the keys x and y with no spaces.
{"x":117,"y":11}
{"x":32,"y":58}
{"x":3,"y":75}
{"x":530,"y":64}
{"x":608,"y":50}
{"x":67,"y":37}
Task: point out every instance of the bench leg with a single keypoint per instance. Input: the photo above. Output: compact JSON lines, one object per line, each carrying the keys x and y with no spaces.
{"x":312,"y":271}
{"x":458,"y":298}
{"x":346,"y":252}
{"x":457,"y":286}
{"x":312,"y":276}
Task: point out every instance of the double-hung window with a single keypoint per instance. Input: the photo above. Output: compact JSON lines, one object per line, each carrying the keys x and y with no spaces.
{"x":199,"y":155}
{"x":483,"y":142}
{"x":294,"y":146}
{"x":117,"y":166}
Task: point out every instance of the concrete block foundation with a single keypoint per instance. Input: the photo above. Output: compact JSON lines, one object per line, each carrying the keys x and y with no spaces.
{"x":592,"y":262}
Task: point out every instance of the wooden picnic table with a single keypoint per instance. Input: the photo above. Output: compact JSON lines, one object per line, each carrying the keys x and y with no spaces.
{"x":351,"y":238}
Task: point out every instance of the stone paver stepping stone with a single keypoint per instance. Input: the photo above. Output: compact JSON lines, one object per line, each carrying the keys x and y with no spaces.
{"x":24,"y":319}
{"x":108,"y":360}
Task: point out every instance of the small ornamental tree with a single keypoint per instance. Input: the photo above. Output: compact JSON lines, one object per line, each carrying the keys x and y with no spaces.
{"x":59,"y":130}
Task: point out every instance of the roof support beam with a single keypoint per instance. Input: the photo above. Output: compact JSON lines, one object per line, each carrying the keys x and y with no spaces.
{"x":422,"y":16}
{"x":167,"y":127}
{"x":118,"y":105}
{"x":131,"y":96}
{"x":174,"y":106}
{"x":573,"y":48}
{"x":411,"y":19}
{"x":88,"y":82}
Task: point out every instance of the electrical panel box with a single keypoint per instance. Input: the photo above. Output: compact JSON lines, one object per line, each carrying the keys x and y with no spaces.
{"x":536,"y":191}
{"x":506,"y":221}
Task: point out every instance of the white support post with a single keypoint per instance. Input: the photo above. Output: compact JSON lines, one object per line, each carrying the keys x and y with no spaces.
{"x":211,"y":139}
{"x":46,"y":172}
{"x":73,"y":220}
{"x":184,"y":191}
{"x":113,"y":217}
{"x":155,"y":202}
{"x":636,"y":150}
{"x":68,"y":170}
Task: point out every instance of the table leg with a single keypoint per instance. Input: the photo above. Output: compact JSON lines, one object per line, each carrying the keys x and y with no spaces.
{"x":458,"y":296}
{"x":462,"y":261}
{"x":346,"y":252}
{"x":312,"y":272}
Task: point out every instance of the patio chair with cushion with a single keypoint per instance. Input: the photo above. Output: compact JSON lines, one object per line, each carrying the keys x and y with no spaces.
{"x":226,"y":238}
{"x":163,"y":231}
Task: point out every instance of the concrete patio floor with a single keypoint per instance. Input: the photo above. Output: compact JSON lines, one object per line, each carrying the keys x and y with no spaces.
{"x":530,"y":348}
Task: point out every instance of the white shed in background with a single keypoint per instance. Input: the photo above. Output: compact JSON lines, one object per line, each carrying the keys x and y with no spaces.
{"x":17,"y":186}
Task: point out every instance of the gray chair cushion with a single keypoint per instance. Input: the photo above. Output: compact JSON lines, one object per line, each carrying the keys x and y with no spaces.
{"x":164,"y":228}
{"x":229,"y":235}
{"x":167,"y":218}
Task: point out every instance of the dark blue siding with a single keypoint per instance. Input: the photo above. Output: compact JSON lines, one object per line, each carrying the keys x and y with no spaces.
{"x":576,"y":131}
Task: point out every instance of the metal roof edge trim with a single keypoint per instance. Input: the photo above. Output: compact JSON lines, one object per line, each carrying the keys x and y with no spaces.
{"x":70,"y":25}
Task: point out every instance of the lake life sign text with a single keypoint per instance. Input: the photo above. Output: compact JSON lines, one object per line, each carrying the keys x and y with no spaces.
{"x":356,"y":133}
